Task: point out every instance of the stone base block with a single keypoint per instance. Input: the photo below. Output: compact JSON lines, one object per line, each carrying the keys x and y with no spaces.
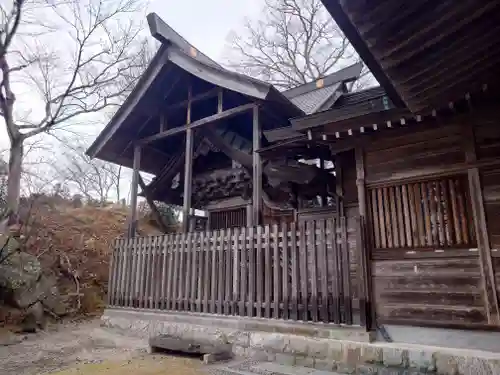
{"x":302,"y":344}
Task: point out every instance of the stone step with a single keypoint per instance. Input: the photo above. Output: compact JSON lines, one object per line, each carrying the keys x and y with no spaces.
{"x":271,"y":368}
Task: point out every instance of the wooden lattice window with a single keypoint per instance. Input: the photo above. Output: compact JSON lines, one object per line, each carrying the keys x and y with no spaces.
{"x":232,"y":218}
{"x":433,"y":214}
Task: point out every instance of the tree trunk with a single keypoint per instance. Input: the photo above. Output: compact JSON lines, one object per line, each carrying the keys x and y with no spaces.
{"x":14,"y":180}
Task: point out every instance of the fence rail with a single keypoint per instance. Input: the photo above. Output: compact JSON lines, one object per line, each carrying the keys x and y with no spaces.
{"x":299,"y":272}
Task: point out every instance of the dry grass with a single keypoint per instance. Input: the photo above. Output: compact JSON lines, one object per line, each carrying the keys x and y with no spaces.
{"x":151,"y":365}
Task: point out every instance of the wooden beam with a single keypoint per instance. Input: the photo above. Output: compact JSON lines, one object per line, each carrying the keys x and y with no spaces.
{"x":257,"y":168}
{"x":480,"y":225}
{"x":195,"y":124}
{"x":184,"y":104}
{"x":154,"y":210}
{"x":188,"y":170}
{"x":134,"y":191}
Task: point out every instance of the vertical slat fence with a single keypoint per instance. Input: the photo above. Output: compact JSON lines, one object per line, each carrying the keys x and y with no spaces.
{"x":291,"y":272}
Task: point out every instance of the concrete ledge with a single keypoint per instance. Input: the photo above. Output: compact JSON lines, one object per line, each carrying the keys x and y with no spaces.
{"x":313,"y":330}
{"x":320,"y":346}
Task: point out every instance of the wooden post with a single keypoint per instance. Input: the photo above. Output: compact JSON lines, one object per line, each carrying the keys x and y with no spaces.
{"x":324,"y":202}
{"x":257,"y":169}
{"x":134,"y":191}
{"x":188,"y":169}
{"x":249,"y":215}
{"x":163,"y":122}
{"x":363,"y":273}
{"x":480,"y":225}
{"x":339,"y":189}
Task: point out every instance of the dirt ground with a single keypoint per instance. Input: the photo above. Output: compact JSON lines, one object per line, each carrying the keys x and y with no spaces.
{"x":85,"y":349}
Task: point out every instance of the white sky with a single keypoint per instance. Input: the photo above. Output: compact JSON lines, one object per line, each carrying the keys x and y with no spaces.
{"x":204,"y":24}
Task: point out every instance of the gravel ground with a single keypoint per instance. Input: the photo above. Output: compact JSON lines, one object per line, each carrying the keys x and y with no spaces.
{"x":85,"y":349}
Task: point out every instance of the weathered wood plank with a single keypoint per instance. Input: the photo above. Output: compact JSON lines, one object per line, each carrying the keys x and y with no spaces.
{"x":375,"y":219}
{"x":260,"y":272}
{"x":243,"y":268}
{"x":455,"y":212}
{"x":419,"y":223}
{"x":164,"y":271}
{"x":311,"y":245}
{"x":346,"y":275}
{"x":412,"y":204}
{"x":304,"y":297}
{"x":149,"y":265}
{"x":294,"y":249}
{"x":276,"y":273}
{"x":228,"y":263}
{"x":126,"y":278}
{"x":170,"y":273}
{"x":387,"y":218}
{"x":195,"y":250}
{"x":323,"y":266}
{"x":154,"y":271}
{"x":394,"y":216}
{"x":462,"y":208}
{"x":236,"y":270}
{"x":176,"y":274}
{"x":267,"y":272}
{"x":407,"y":216}
{"x":427,"y":213}
{"x":257,"y":167}
{"x":116,"y":274}
{"x":213,"y":274}
{"x":440,"y":215}
{"x":332,"y":239}
{"x":381,"y":219}
{"x":206,"y":272}
{"x":400,"y":216}
{"x":251,"y":272}
{"x":286,"y":274}
{"x":111,"y":281}
{"x":448,"y":224}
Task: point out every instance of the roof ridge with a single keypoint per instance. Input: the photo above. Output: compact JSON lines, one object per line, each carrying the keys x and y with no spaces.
{"x":161,"y":31}
{"x":348,"y":73}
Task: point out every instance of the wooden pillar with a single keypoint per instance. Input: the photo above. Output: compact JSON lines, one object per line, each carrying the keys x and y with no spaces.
{"x":132,"y":229}
{"x":249,"y":215}
{"x":339,"y":189}
{"x":188,"y":169}
{"x":257,"y":169}
{"x":480,"y":225}
{"x":363,"y":264}
{"x":324,"y":202}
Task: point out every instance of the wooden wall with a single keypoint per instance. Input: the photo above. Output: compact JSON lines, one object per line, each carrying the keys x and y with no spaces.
{"x":436,"y":287}
{"x":488,"y":146}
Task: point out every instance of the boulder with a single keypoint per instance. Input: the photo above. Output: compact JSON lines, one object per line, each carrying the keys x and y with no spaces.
{"x":34,"y":319}
{"x":22,"y":284}
{"x":19,"y":276}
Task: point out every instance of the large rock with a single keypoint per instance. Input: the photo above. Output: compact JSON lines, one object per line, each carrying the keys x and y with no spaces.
{"x":19,"y":275}
{"x":22,"y":284}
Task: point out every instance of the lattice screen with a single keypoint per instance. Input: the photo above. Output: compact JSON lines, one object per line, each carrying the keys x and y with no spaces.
{"x":430,"y":214}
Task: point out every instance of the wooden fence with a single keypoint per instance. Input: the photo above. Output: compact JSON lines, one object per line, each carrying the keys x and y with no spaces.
{"x":299,"y":272}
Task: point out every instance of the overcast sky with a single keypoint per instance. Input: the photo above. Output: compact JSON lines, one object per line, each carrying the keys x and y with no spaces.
{"x":204,"y":24}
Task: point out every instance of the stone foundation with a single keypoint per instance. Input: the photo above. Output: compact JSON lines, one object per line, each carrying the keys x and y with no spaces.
{"x":322,"y":346}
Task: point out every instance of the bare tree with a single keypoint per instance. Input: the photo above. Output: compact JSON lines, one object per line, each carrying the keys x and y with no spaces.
{"x":294,"y":42}
{"x":78,"y":66}
{"x":94,"y":179}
